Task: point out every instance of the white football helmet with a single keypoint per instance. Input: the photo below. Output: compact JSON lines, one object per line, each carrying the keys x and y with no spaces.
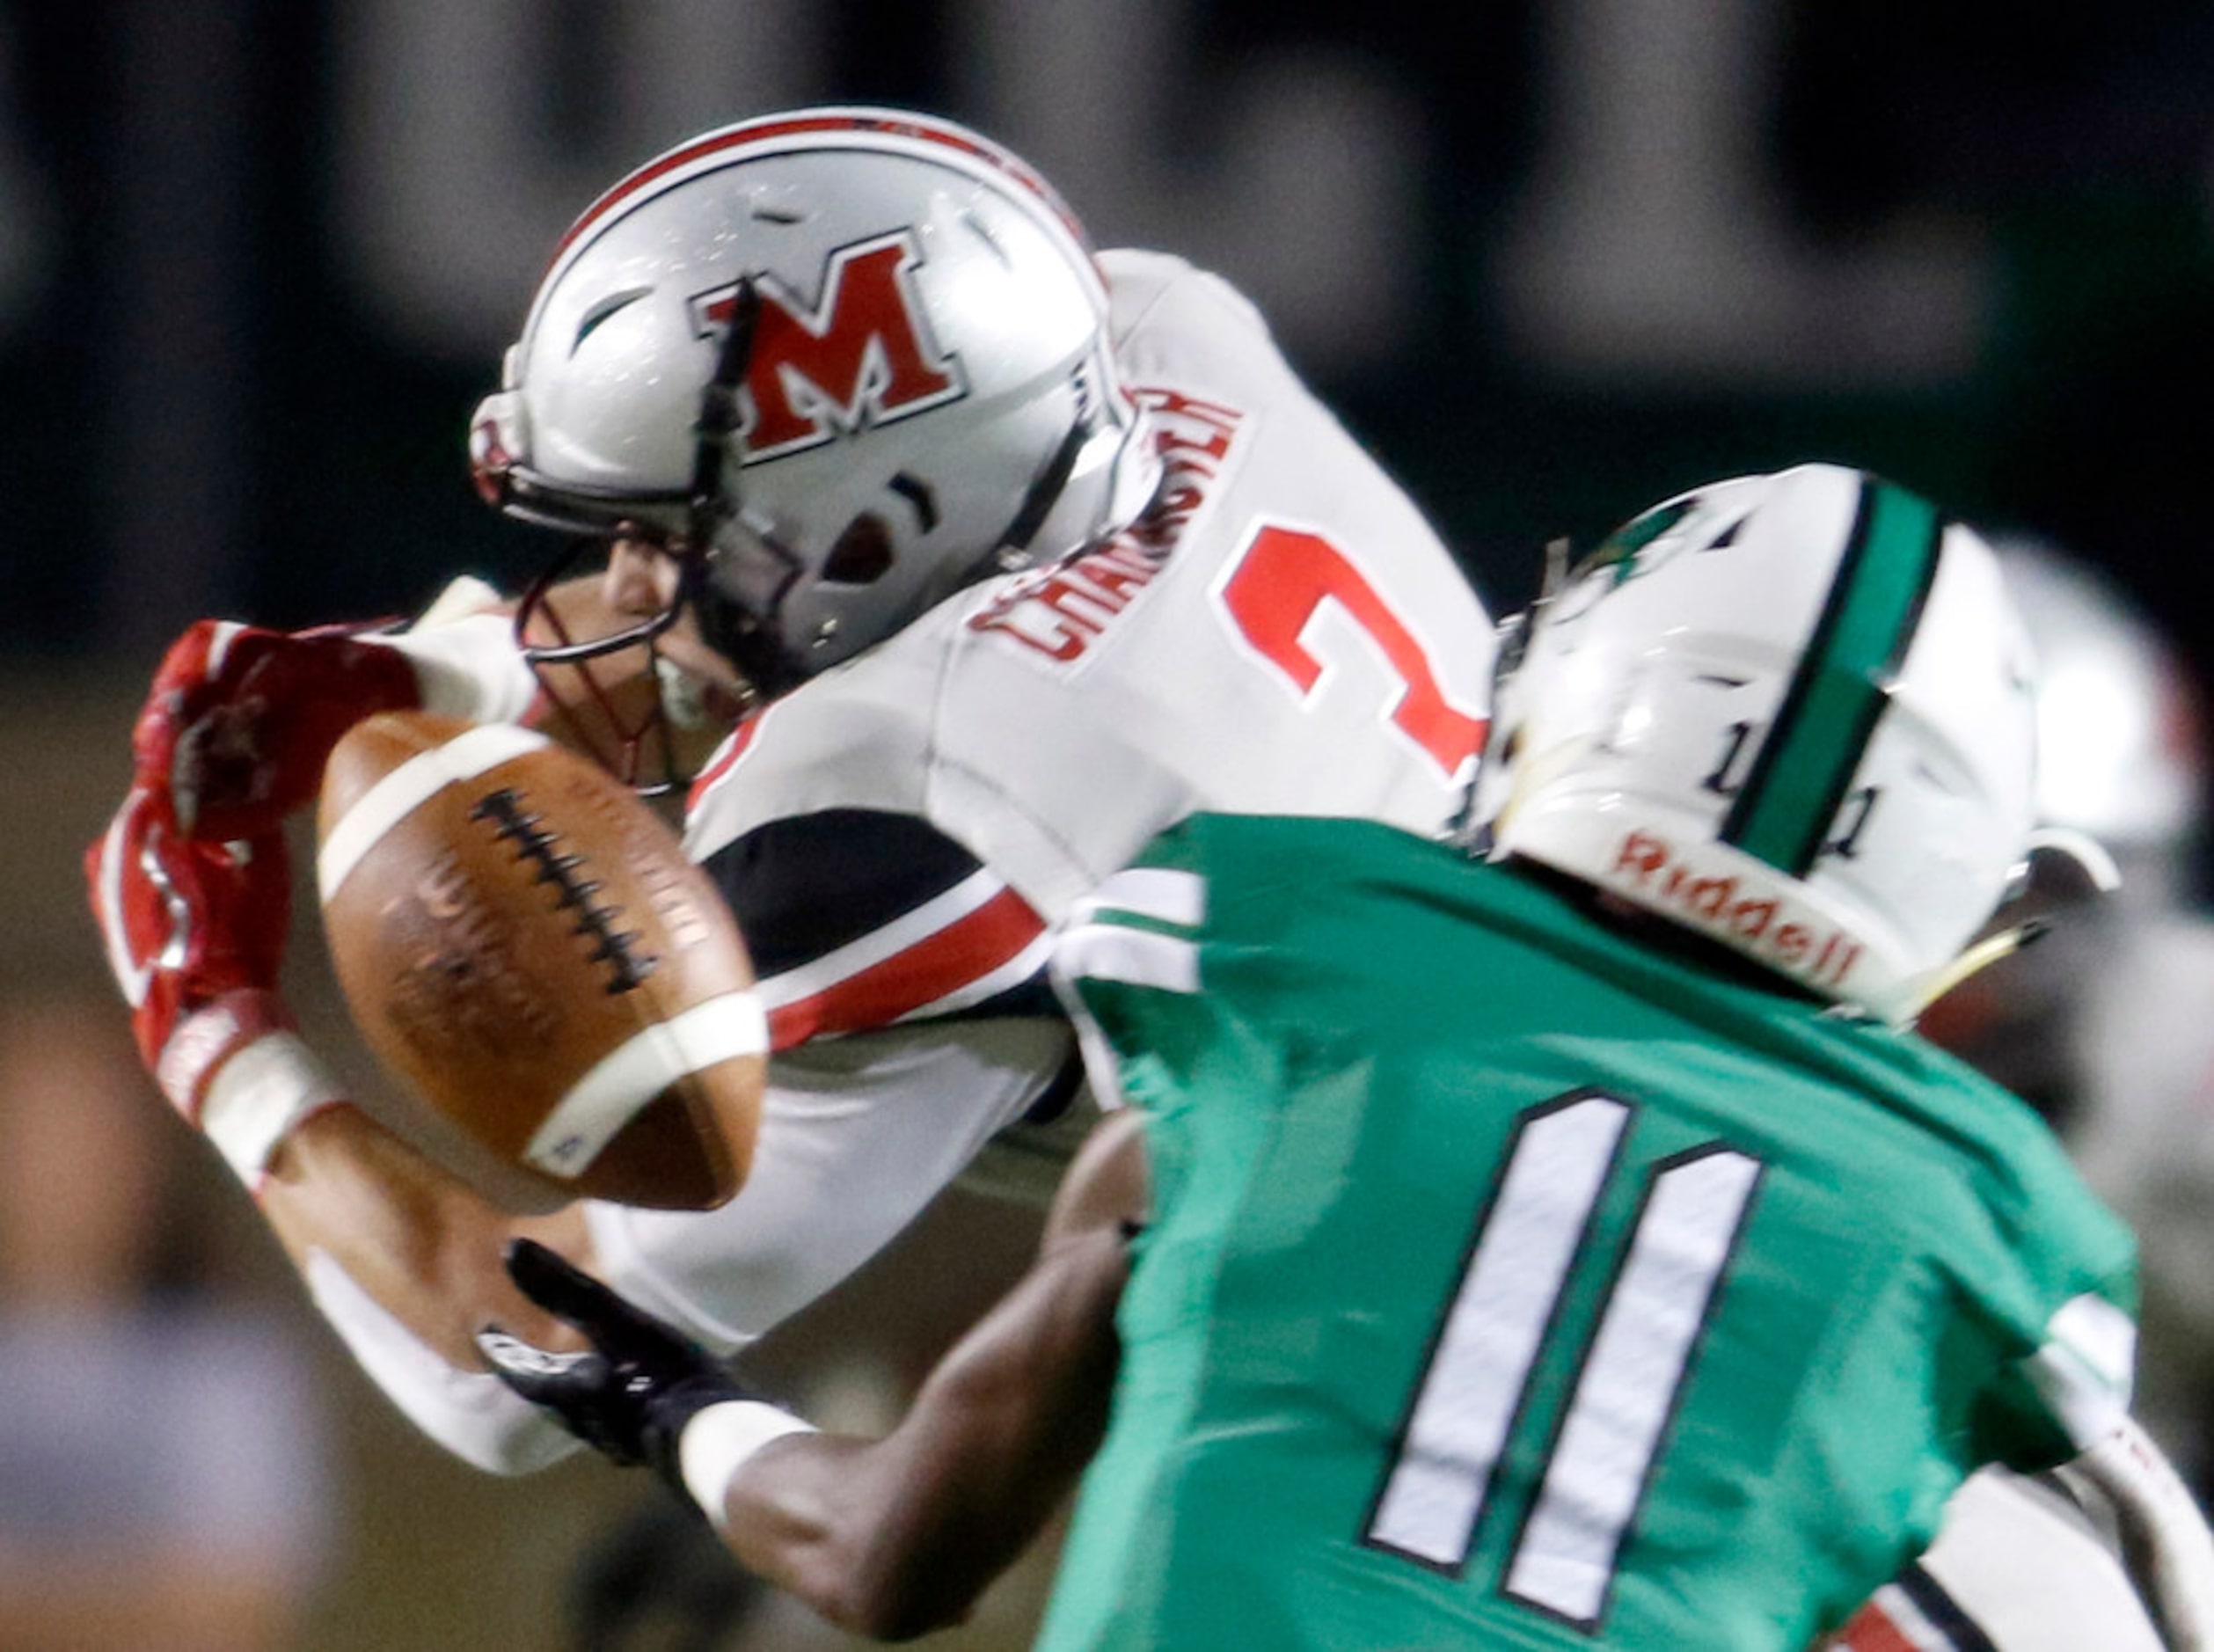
{"x":846,"y":360}
{"x":2121,"y":777}
{"x":1792,"y":713}
{"x":2120,"y":753}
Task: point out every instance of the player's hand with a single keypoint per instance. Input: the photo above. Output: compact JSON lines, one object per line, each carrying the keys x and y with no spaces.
{"x":240,"y":720}
{"x":629,"y":1394}
{"x":195,"y":933}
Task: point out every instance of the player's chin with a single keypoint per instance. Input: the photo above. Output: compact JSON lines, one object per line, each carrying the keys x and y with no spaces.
{"x":701,"y":692}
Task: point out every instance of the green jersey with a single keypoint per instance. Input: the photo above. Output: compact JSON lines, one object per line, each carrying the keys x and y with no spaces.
{"x":1512,"y":1284}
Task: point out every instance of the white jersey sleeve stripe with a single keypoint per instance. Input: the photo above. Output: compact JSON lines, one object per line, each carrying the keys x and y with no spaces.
{"x":1159,"y":893}
{"x":1142,"y":957}
{"x":2086,"y":1368}
{"x":1115,"y":952}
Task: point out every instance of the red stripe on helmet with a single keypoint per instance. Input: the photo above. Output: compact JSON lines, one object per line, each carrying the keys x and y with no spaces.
{"x":774,"y":127}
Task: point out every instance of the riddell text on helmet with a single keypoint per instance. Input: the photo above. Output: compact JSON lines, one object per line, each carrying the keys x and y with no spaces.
{"x":1820,"y":955}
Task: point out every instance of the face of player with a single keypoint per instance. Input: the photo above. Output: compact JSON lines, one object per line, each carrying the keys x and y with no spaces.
{"x":643,"y":579}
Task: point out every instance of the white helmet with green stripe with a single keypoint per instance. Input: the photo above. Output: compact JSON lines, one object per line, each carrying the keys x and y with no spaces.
{"x":1792,"y":713}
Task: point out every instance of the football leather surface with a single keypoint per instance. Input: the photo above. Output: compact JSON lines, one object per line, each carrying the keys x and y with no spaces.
{"x":522,"y":941}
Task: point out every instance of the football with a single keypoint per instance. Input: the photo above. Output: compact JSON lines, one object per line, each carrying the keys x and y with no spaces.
{"x":520,"y":940}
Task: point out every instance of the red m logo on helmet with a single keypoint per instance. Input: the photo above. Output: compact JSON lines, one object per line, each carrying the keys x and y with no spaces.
{"x":859,"y":354}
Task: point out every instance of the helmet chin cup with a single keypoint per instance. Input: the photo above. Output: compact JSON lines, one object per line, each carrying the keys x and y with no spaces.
{"x":740,"y":594}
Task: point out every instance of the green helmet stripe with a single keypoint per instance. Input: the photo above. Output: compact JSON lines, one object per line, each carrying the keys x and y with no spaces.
{"x":1619,"y":550}
{"x":1798,"y":779}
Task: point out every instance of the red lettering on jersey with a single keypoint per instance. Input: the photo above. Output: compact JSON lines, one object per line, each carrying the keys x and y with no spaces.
{"x":1075,"y":589}
{"x":1172,"y":507}
{"x":1120,"y":573}
{"x":1215,"y":447}
{"x":1058,"y":611}
{"x":1174,"y":403}
{"x":859,"y":356}
{"x":1279,"y":583}
{"x":1056,"y":643}
{"x":1082,"y":594}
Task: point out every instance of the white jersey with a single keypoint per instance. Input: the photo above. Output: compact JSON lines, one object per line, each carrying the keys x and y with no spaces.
{"x":2019,"y":1567}
{"x":1283,"y":632}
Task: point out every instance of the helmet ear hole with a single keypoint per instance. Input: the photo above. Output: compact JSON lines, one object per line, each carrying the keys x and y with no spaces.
{"x":863,"y":554}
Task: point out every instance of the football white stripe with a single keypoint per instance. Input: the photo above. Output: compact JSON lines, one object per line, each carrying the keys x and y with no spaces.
{"x":620,"y":1083}
{"x":407,"y":788}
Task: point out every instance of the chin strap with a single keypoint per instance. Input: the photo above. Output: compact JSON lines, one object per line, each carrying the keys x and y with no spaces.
{"x":1982,"y":956}
{"x":1013,"y":549}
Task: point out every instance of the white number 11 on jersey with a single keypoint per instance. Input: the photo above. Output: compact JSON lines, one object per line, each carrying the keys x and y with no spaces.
{"x":1472,"y":1387}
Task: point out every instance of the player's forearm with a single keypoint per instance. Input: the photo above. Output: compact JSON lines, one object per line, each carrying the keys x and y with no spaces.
{"x":893,"y":1536}
{"x":390,"y":1247}
{"x":897,"y":1537}
{"x":469,"y":667}
{"x":422,"y":1242}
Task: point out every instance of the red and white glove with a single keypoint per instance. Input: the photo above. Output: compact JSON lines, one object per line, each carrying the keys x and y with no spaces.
{"x":240,"y":720}
{"x":195,"y":933}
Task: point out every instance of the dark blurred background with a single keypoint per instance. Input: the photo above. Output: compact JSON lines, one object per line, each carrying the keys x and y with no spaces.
{"x":258,"y":257}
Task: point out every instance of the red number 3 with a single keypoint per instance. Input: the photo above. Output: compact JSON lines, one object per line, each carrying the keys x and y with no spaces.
{"x":1276,"y":587}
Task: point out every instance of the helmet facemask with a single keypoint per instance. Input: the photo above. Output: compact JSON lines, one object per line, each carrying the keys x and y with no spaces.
{"x":631,"y":720}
